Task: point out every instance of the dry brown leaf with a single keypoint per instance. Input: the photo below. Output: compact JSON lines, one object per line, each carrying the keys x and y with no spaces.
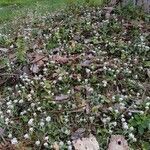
{"x":39,"y":59}
{"x":34,"y":68}
{"x":89,"y":143}
{"x":86,"y":63}
{"x":12,"y":56}
{"x":26,"y":69}
{"x":108,"y":12}
{"x":78,"y":134}
{"x":78,"y":88}
{"x":60,"y":59}
{"x":118,"y":142}
{"x":55,"y":146}
{"x":24,"y":145}
{"x":7,"y":146}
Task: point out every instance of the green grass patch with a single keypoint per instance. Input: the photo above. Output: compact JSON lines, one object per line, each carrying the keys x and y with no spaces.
{"x":9,"y":9}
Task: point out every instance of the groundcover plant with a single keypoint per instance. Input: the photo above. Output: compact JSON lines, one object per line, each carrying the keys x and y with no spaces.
{"x":82,"y":70}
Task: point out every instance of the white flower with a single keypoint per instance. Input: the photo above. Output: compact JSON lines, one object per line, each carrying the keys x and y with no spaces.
{"x":31,"y":129}
{"x":113,"y":98}
{"x":69,"y":142}
{"x":23,"y":112}
{"x":26,"y":136}
{"x":114,"y":123}
{"x":125,"y":126}
{"x":46,"y":138}
{"x":1,"y":116}
{"x":12,"y":46}
{"x":123,"y":120}
{"x":45,"y":144}
{"x":61,"y":143}
{"x":131,"y":128}
{"x":104,"y":120}
{"x":131,"y":136}
{"x":110,"y":131}
{"x":104,"y":83}
{"x":6,"y":120}
{"x":88,"y":71}
{"x":32,"y":104}
{"x":10,"y":135}
{"x":69,"y":147}
{"x":138,"y":94}
{"x":21,"y":101}
{"x":141,"y":112}
{"x":91,"y":119}
{"x":14,"y":141}
{"x":120,"y":99}
{"x":116,"y":111}
{"x":86,"y":80}
{"x":16,"y":101}
{"x":12,"y":122}
{"x":66,"y":119}
{"x":34,"y":114}
{"x":147,"y":107}
{"x":105,"y":68}
{"x":9,"y":103}
{"x":110,"y":108}
{"x":39,"y":108}
{"x":60,"y":78}
{"x":41,"y":124}
{"x":32,"y":91}
{"x":134,"y":139}
{"x":29,"y":96}
{"x":37,"y":143}
{"x":130,"y":114}
{"x":48,"y":119}
{"x":45,"y":69}
{"x":11,"y":106}
{"x":30,"y":122}
{"x":8,"y":111}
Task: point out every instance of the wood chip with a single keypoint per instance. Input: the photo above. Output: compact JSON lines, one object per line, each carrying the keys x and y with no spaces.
{"x":61,"y":97}
{"x":118,"y":142}
{"x":89,"y":143}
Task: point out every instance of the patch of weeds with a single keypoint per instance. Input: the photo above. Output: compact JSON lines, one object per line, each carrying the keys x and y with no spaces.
{"x":131,"y":11}
{"x":21,"y":50}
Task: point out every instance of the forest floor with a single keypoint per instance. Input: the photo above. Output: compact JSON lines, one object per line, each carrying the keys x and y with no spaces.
{"x":67,"y":74}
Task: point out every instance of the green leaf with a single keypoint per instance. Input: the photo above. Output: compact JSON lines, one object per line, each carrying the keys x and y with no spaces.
{"x":147,"y":63}
{"x":145,"y":145}
{"x":25,"y":118}
{"x":140,"y":130}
